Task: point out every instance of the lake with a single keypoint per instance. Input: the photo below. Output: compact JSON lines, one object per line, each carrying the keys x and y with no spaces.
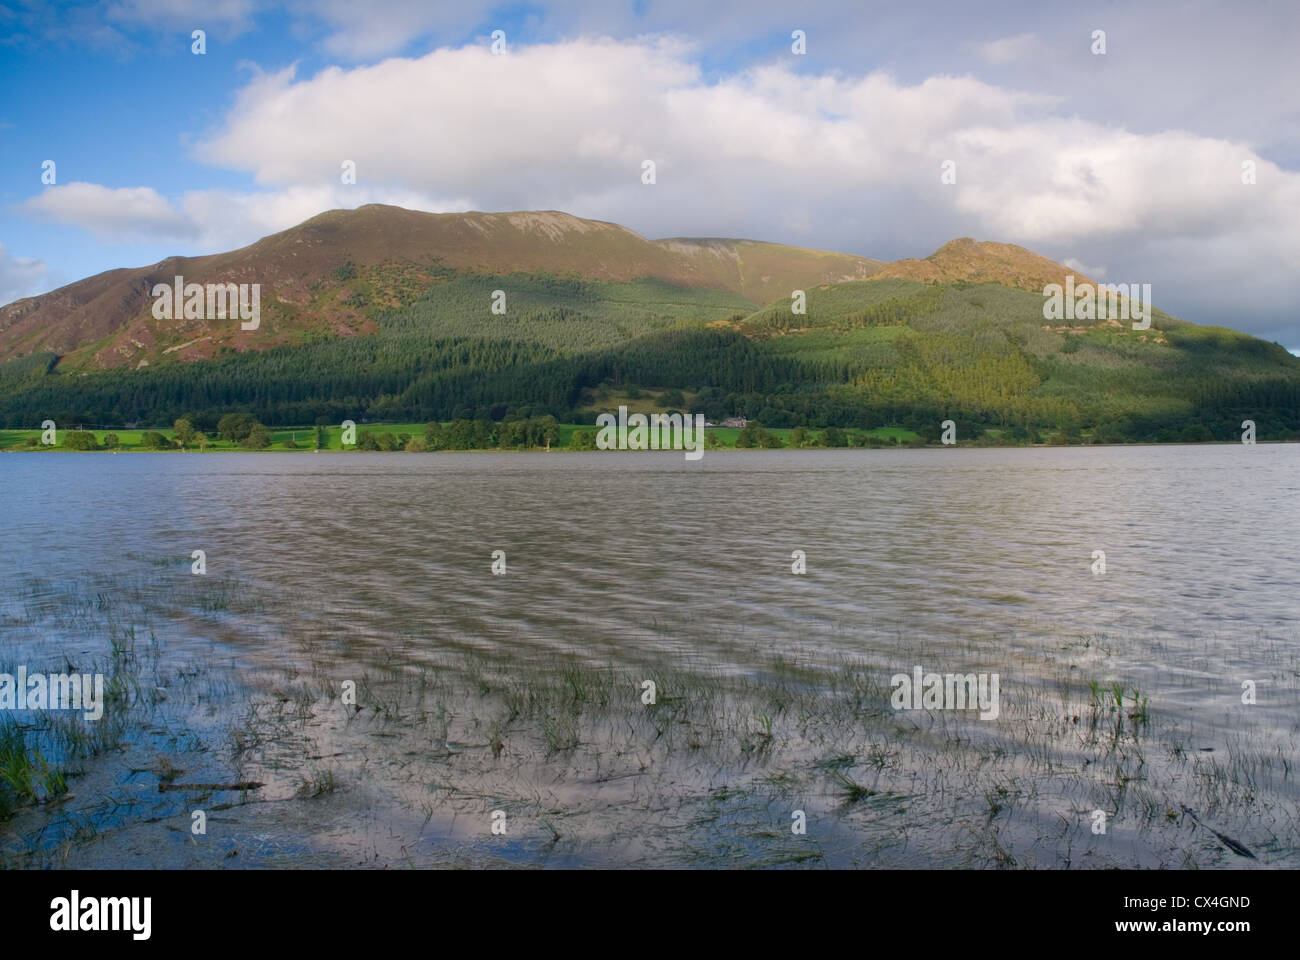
{"x":350,"y":649}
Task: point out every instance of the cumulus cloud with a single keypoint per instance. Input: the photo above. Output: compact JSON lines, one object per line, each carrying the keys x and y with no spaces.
{"x":1010,"y":49}
{"x":225,"y":219}
{"x":362,"y":30}
{"x":565,"y":124}
{"x":1096,"y":273}
{"x":121,"y":213}
{"x":21,"y":276}
{"x":571,"y":124}
{"x":232,"y":16}
{"x":208,"y":220}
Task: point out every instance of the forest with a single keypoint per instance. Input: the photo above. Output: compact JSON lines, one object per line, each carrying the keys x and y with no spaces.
{"x":867,"y":354}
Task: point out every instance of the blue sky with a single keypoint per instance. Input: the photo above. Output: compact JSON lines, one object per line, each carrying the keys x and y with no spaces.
{"x":1125,"y":165}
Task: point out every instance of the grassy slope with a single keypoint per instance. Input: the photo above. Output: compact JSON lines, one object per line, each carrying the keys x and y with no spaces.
{"x":391,"y":256}
{"x":969,"y":347}
{"x":565,"y":314}
{"x":129,"y":440}
{"x":988,"y":346}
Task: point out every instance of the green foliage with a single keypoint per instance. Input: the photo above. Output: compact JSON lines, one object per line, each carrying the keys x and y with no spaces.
{"x":866,"y":353}
{"x":563,"y":314}
{"x":23,"y":370}
{"x":847,"y":306}
{"x":524,"y":434}
{"x":183,"y":431}
{"x":834,"y":437}
{"x":749,"y":435}
{"x":235,"y":427}
{"x":753,"y":435}
{"x":258,"y":438}
{"x":79,"y":440}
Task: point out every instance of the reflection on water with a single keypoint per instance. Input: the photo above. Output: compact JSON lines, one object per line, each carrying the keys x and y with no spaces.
{"x":967,"y":560}
{"x":625,"y":557}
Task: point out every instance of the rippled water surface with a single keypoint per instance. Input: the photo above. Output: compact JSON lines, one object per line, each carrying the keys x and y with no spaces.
{"x":957,"y":559}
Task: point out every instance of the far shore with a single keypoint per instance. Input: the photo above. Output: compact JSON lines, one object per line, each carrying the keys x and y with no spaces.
{"x":409,"y":438}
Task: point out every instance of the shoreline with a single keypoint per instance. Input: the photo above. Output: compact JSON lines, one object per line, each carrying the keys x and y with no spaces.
{"x":784,"y":449}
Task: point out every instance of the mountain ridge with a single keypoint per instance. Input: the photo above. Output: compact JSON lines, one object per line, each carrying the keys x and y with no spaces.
{"x":104,"y":321}
{"x":114,"y":306}
{"x":381,"y":313}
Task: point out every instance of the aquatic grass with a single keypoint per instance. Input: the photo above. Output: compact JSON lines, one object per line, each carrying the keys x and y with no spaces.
{"x":851,"y":790}
{"x":318,"y":783}
{"x":453,"y":730}
{"x":25,"y":775}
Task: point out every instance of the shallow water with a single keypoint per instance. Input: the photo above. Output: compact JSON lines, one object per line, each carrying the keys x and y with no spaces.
{"x":979,"y":560}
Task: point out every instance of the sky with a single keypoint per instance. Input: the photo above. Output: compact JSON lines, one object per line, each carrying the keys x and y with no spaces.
{"x":1163,"y":150}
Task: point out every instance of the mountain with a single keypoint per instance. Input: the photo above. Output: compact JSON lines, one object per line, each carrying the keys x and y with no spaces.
{"x":305,"y":272}
{"x":982,"y":262}
{"x":384,"y":313}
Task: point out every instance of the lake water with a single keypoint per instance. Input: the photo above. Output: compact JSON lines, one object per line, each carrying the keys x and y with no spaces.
{"x":362,"y":566}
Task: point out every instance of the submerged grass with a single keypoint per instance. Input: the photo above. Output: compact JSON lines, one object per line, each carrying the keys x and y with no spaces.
{"x":417,"y":743}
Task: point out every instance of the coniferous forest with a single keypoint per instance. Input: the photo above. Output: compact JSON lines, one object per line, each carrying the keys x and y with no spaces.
{"x":865,"y":355}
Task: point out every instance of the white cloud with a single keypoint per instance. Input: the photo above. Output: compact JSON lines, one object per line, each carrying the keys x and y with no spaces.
{"x":232,"y":16}
{"x":1096,"y":273}
{"x":566,"y":124}
{"x":1009,"y":49}
{"x":208,"y":220}
{"x":121,"y":214}
{"x":226,"y":219}
{"x":378,"y":27}
{"x":21,"y":276}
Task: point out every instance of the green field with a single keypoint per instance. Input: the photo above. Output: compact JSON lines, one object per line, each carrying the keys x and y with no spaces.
{"x":129,"y":441}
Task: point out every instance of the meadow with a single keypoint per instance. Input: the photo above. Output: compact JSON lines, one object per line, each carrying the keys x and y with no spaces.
{"x":303,"y":438}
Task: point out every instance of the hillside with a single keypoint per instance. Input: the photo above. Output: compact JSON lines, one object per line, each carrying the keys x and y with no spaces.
{"x":323,"y":276}
{"x":381,"y":313}
{"x":982,"y":262}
